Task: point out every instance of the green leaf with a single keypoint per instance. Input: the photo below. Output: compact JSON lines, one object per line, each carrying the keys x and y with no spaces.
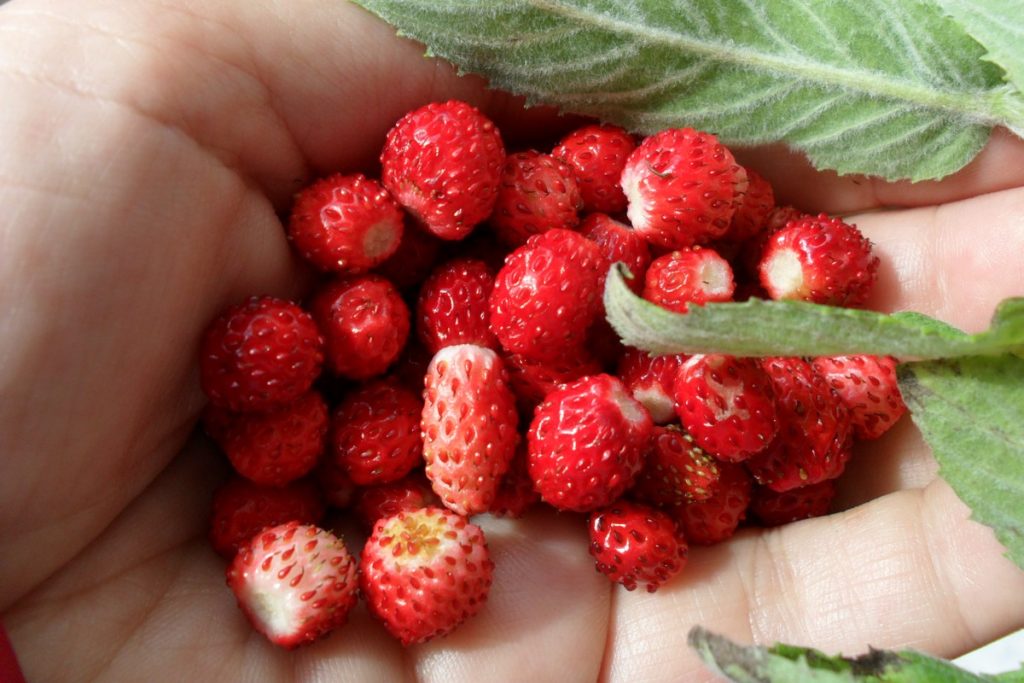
{"x":790,"y":328}
{"x":791,"y":664}
{"x":971,"y":413}
{"x":896,"y":89}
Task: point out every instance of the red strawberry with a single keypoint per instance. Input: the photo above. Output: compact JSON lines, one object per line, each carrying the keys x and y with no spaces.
{"x":675,"y":470}
{"x":414,"y":259}
{"x":597,"y":155}
{"x":756,"y":204}
{"x":547,"y":295}
{"x":819,"y":259}
{"x":425,"y":572}
{"x":516,"y":493}
{"x":241,"y":509}
{"x":453,"y":307}
{"x":586,"y":443}
{"x":259,"y":355}
{"x":715,"y":519}
{"x":337,"y":488}
{"x":469,"y":426}
{"x":442,"y":162}
{"x":619,"y":242}
{"x":868,"y":387}
{"x":775,"y":509}
{"x":295,"y":583}
{"x":689,"y":276}
{"x":273,"y":448}
{"x":681,"y":188}
{"x":814,"y":439}
{"x":537,"y":193}
{"x":365,"y":322}
{"x":345,"y":223}
{"x":532,"y":380}
{"x":651,"y":379}
{"x":636,"y":545}
{"x":375,"y":433}
{"x":412,"y":492}
{"x":727,"y":404}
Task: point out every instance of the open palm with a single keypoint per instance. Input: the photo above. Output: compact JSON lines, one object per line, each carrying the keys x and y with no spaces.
{"x":146,"y":152}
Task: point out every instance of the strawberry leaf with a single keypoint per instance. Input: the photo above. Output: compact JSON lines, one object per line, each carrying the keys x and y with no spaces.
{"x":892,"y":89}
{"x":971,"y":413}
{"x":792,"y":328}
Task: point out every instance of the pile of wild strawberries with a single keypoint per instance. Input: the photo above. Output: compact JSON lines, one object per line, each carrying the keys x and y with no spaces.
{"x":455,"y":360}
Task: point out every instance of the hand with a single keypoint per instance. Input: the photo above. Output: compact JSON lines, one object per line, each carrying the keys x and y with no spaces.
{"x":147,"y":151}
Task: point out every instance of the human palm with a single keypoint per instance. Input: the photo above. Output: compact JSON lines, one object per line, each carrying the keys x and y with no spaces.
{"x":148,"y":150}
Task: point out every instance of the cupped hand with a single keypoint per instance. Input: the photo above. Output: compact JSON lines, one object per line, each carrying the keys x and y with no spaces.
{"x":147,"y":151}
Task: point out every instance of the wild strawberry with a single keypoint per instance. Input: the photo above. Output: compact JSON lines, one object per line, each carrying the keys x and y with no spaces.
{"x":680,"y":184}
{"x":716,"y":518}
{"x":453,"y":307}
{"x":727,"y":404}
{"x":442,"y":162}
{"x":414,"y":259}
{"x":241,"y":509}
{"x":636,"y":545}
{"x":775,"y":509}
{"x":259,"y":355}
{"x":780,"y":217}
{"x":820,"y":259}
{"x":586,"y":443}
{"x":755,"y":205}
{"x":375,"y":433}
{"x":651,"y":379}
{"x":696,"y":275}
{"x":532,"y":380}
{"x":814,"y":437}
{"x":597,"y":155}
{"x":675,"y":470}
{"x":337,"y":489}
{"x":295,"y":583}
{"x":867,"y":385}
{"x":345,"y":223}
{"x":366,"y":324}
{"x":409,"y":493}
{"x":423,"y":573}
{"x":516,"y":493}
{"x":276,"y":447}
{"x":469,"y":426}
{"x":618,"y":242}
{"x":537,"y":193}
{"x":547,"y":295}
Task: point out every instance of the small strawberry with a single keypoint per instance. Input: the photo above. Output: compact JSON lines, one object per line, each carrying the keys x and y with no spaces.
{"x":260,"y":355}
{"x":442,"y":162}
{"x":547,"y":295}
{"x":586,"y":443}
{"x":727,"y":404}
{"x":345,"y":223}
{"x":469,"y":426}
{"x":636,"y":545}
{"x":412,"y":492}
{"x":276,"y":447}
{"x":619,"y":242}
{"x":531,"y":380}
{"x":241,"y":509}
{"x":453,"y":306}
{"x":651,"y":380}
{"x":537,"y":193}
{"x":819,"y":259}
{"x":414,"y":259}
{"x":681,"y":186}
{"x":516,"y":493}
{"x":868,"y":387}
{"x":375,"y":433}
{"x":675,"y":470}
{"x":295,"y":583}
{"x":425,"y":572}
{"x":775,"y":509}
{"x":597,"y":154}
{"x":715,"y":519}
{"x":365,"y":322}
{"x":814,"y":440}
{"x":697,"y":275}
{"x":756,"y":205}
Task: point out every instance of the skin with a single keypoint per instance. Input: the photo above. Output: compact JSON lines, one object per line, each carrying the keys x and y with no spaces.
{"x":146,"y":152}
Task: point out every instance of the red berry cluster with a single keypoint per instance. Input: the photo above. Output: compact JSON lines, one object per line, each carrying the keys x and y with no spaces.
{"x":455,"y":361}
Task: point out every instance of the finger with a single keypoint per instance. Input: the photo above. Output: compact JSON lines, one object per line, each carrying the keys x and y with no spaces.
{"x":907,"y":570}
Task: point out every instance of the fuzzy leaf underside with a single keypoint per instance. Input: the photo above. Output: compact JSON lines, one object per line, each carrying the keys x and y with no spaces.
{"x":971,"y":412}
{"x":790,"y":328}
{"x":791,"y":664}
{"x":876,"y":87}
